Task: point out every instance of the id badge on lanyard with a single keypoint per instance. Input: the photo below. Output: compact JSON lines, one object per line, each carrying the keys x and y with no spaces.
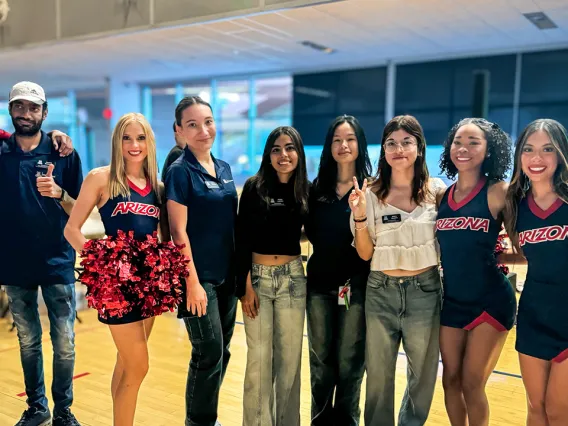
{"x":344,"y":295}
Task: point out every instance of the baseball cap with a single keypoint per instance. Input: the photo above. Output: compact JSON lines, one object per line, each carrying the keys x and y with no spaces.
{"x":27,"y":91}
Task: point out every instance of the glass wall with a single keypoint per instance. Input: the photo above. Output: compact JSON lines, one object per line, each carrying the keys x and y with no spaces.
{"x":272,"y":107}
{"x":162,"y":107}
{"x":511,"y":90}
{"x":60,"y":115}
{"x":245,"y":110}
{"x":544,"y":91}
{"x":320,"y":98}
{"x":441,"y":93}
{"x":232,"y":105}
{"x":93,"y":130}
{"x":518,"y":89}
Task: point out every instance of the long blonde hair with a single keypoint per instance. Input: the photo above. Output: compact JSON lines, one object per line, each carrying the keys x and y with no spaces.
{"x":118,"y":183}
{"x":520,"y":183}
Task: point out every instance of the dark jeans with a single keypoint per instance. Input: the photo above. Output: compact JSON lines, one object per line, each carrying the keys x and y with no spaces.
{"x":337,"y":356}
{"x":210,"y":336}
{"x":60,"y":302}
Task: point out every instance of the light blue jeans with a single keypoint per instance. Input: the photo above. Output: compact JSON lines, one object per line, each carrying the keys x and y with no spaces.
{"x":403,"y":309}
{"x":274,"y":342}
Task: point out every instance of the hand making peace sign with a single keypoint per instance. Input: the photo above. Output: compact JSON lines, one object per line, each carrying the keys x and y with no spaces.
{"x":357,"y":200}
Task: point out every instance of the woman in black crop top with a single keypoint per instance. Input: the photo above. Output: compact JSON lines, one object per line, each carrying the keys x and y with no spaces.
{"x":271,"y":283}
{"x":129,"y":198}
{"x":336,"y":325}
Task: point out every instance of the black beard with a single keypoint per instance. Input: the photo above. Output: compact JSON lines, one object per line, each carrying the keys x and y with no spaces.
{"x":26,"y":131}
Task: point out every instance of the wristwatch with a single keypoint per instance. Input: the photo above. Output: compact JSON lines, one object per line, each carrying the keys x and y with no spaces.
{"x":63,"y":195}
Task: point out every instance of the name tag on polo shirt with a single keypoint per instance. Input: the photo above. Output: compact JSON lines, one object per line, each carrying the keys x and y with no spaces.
{"x":211,"y":185}
{"x":391,"y":218}
{"x":41,"y":168}
{"x":279,"y":202}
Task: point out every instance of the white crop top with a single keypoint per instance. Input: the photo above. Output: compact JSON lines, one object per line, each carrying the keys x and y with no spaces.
{"x":409,"y":244}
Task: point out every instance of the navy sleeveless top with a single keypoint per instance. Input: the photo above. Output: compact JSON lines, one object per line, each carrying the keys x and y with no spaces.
{"x":543,"y":237}
{"x":467,"y":234}
{"x":139,"y":213}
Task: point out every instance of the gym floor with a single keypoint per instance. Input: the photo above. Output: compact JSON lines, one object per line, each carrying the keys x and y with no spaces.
{"x":162,"y":401}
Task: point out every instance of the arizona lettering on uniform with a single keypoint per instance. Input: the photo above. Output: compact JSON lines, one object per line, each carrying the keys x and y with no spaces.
{"x":143,"y":209}
{"x":541,"y":235}
{"x":459,"y":223}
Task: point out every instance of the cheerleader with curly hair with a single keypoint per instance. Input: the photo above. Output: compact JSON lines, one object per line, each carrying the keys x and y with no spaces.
{"x":129,"y":198}
{"x":479,"y":302}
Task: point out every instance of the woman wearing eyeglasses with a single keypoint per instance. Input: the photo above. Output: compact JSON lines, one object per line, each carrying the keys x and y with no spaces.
{"x":393,"y":221}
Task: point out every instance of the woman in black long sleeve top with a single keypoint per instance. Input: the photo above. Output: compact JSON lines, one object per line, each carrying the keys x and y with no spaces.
{"x":271,"y":282}
{"x":336,"y":325}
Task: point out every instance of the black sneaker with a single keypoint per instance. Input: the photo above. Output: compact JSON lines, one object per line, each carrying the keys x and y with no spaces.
{"x":65,"y":418}
{"x":35,"y":417}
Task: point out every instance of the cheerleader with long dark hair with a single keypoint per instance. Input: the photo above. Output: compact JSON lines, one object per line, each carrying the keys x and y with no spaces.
{"x":537,"y":223}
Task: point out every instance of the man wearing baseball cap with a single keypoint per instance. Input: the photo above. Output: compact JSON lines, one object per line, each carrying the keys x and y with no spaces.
{"x":38,"y":188}
{"x":61,"y":141}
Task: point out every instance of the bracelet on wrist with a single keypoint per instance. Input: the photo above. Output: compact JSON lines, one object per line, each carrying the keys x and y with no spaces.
{"x":360,"y":220}
{"x":361,"y":228}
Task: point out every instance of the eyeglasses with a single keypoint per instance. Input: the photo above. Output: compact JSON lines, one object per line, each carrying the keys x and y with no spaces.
{"x":391,"y":146}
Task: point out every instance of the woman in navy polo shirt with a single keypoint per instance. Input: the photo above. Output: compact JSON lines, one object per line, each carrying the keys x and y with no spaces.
{"x":202,"y":208}
{"x":271,"y":282}
{"x":479,"y":302}
{"x":537,"y":222}
{"x":336,"y":326}
{"x":131,"y":179}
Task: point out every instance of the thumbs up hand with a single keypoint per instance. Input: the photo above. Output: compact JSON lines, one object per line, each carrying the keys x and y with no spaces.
{"x":46,"y":184}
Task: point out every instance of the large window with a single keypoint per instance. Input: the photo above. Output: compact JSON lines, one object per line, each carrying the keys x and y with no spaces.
{"x":94,"y":132}
{"x":245,"y":110}
{"x":232,"y":105}
{"x":544,"y":91}
{"x":201,"y":90}
{"x":163,"y":108}
{"x":321,"y":97}
{"x":441,"y":93}
{"x":272,"y":107}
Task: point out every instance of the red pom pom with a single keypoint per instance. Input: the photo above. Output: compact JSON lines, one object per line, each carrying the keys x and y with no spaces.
{"x":122,"y":273}
{"x":504,"y":269}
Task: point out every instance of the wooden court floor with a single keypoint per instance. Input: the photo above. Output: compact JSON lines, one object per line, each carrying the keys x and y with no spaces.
{"x":161,"y":400}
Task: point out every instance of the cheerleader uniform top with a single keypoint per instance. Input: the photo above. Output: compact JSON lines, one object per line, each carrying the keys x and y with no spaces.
{"x":475,"y":289}
{"x":139,"y":212}
{"x":542,"y":330}
{"x":402,"y":240}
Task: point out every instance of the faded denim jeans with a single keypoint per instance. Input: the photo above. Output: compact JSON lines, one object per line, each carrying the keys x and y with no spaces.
{"x":60,"y":302}
{"x":407,"y":310}
{"x":274,"y":342}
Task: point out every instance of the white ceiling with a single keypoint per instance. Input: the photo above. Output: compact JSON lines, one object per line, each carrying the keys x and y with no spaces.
{"x":363,"y":33}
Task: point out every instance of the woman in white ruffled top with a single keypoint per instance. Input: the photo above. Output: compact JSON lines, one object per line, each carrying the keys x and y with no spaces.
{"x":393,"y":221}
